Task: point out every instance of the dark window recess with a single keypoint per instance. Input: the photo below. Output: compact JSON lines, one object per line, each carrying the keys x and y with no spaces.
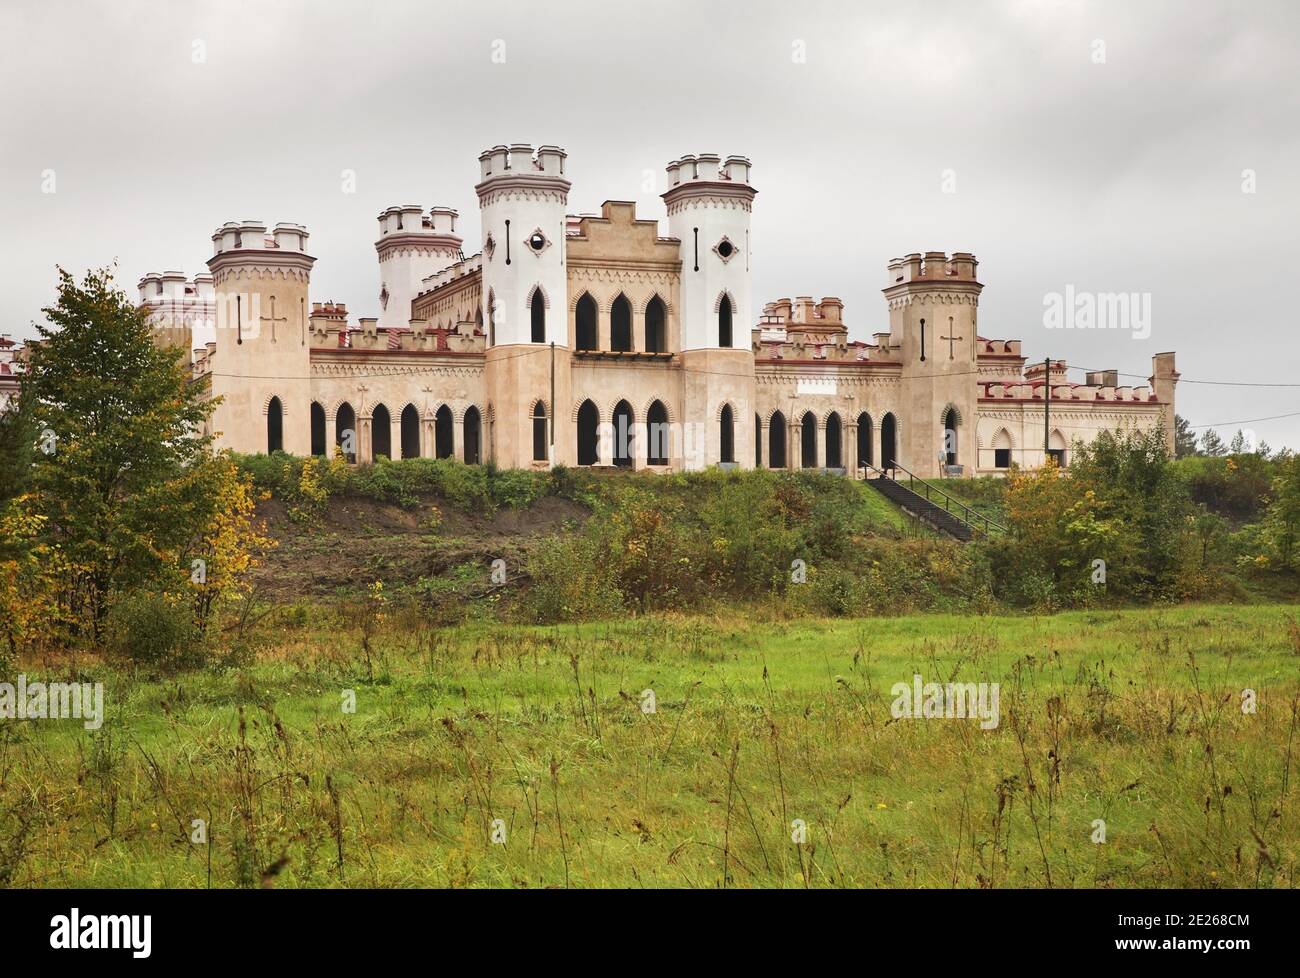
{"x":1002,"y":458}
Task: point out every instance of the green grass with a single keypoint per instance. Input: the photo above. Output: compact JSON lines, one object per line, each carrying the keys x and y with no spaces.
{"x":1129,"y":717}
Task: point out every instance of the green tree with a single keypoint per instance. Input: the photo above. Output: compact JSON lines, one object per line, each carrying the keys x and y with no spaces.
{"x":1131,"y":473}
{"x":1184,"y":438}
{"x":1282,"y":521}
{"x":122,"y":464}
{"x":1212,"y":444}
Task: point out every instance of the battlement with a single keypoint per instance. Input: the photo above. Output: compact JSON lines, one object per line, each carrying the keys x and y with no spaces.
{"x":253,"y":236}
{"x":411,"y":219}
{"x":932,"y":266}
{"x":708,"y":167}
{"x":174,"y":287}
{"x":803,"y":311}
{"x":519,"y":158}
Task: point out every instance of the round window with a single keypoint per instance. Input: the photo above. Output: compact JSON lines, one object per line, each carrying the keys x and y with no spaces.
{"x":725,"y":249}
{"x":537,"y":242}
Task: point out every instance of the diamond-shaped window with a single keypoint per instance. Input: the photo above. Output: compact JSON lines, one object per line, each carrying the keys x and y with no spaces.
{"x":725,"y":250}
{"x":537,"y":242}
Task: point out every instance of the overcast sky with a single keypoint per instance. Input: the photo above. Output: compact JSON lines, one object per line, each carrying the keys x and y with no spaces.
{"x":1094,"y":145}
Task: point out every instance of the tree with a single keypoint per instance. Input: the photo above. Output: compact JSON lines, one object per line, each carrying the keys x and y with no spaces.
{"x":122,"y":473}
{"x":1282,"y":521}
{"x":1184,"y":438}
{"x":1212,"y":444}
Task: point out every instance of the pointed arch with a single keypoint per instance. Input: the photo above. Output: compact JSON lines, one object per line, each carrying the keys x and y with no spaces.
{"x":537,"y":306}
{"x":624,"y":422}
{"x":317,"y":428}
{"x":834,"y":441}
{"x":345,"y":430}
{"x":620,"y":324}
{"x":776,"y":440}
{"x":726,"y":315}
{"x":758,"y":441}
{"x":888,"y":441}
{"x":727,"y":435}
{"x":381,"y":432}
{"x":951,"y":427}
{"x":540,"y":441}
{"x":274,"y":426}
{"x":1002,"y":449}
{"x":657,"y":434}
{"x":585,"y":316}
{"x":865,"y":440}
{"x":587,"y":418}
{"x":444,"y":437}
{"x":410,"y":426}
{"x":808,"y":440}
{"x":656,"y":325}
{"x":472,"y":426}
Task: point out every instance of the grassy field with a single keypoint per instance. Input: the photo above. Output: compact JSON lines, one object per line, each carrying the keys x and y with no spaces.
{"x":1133,"y":718}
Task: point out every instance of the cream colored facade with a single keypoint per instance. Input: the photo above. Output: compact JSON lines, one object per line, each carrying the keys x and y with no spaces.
{"x":597,"y":340}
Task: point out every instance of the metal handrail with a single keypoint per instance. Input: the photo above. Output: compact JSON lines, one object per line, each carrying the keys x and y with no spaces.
{"x":971,"y":514}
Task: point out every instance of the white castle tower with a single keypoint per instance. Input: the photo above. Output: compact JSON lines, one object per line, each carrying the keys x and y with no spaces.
{"x":522,"y":202}
{"x":709,"y":209}
{"x":261,"y":366}
{"x":412,"y":247}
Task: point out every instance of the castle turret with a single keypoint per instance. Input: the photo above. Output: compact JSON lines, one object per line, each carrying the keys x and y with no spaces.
{"x":260,"y":364}
{"x":933,"y":301}
{"x":709,"y":203}
{"x":411,"y":247}
{"x":522,"y":201}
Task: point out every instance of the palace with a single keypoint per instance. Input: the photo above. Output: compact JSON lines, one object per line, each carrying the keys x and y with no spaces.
{"x":598,"y":340}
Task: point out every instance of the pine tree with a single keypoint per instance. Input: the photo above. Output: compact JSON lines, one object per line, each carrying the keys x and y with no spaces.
{"x":1212,"y":444}
{"x":1184,"y":438}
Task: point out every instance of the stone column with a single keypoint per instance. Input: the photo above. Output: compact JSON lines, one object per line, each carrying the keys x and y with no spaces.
{"x":849,"y":449}
{"x":638,"y":332}
{"x":794,"y":445}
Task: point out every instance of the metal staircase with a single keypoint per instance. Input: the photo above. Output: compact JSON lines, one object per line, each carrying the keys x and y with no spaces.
{"x":930,"y":504}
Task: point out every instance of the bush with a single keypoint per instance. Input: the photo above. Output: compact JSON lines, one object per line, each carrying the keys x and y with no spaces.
{"x":152,"y":629}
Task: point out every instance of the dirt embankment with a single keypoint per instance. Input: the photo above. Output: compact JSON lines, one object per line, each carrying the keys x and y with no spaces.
{"x":358,"y":541}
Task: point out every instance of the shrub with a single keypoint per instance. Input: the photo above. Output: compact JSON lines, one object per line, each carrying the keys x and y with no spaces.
{"x":152,"y":629}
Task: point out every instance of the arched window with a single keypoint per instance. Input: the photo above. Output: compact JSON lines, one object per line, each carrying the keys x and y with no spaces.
{"x":724,"y":321}
{"x":1002,"y":449}
{"x":345,"y":431}
{"x":776,"y":441}
{"x":808,"y":440}
{"x":864,"y":439}
{"x":888,"y":442}
{"x":834,"y":439}
{"x":623,"y":420}
{"x":317,"y":429}
{"x":656,"y":328}
{"x":584,"y":323}
{"x":726,"y":435}
{"x":758,"y":441}
{"x":274,"y":426}
{"x":1056,"y":447}
{"x":381,"y":432}
{"x":410,"y":432}
{"x":620,"y":325}
{"x":444,"y":439}
{"x":588,"y":434}
{"x":473,"y":425}
{"x":538,"y":309}
{"x":950,"y":436}
{"x":656,"y":420}
{"x":539,"y":433}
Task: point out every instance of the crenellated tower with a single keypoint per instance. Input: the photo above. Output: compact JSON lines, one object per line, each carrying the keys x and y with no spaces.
{"x":522,"y":201}
{"x":933,"y":304}
{"x":709,"y":204}
{"x":411,"y":247}
{"x":261,"y":359}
